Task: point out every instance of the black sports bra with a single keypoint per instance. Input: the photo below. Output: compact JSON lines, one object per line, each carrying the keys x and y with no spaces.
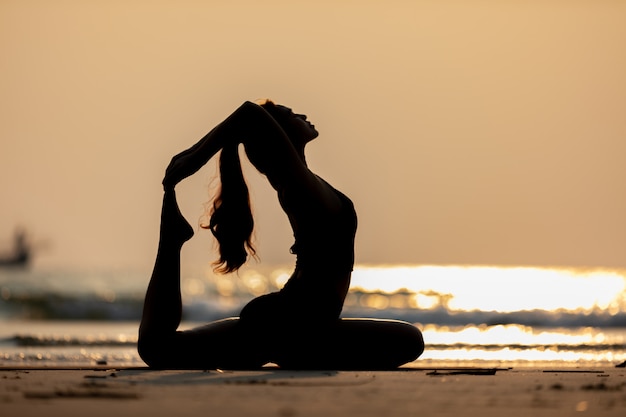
{"x":327,"y":241}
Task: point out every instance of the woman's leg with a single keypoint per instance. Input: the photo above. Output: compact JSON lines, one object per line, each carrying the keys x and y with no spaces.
{"x":357,"y":344}
{"x":162,"y":310}
{"x":224,"y":343}
{"x":163,"y":306}
{"x":308,"y":335}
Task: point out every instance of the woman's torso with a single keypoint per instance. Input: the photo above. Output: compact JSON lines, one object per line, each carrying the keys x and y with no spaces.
{"x":324,"y":248}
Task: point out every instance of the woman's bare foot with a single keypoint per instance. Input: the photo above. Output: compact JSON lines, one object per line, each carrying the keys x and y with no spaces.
{"x":175,"y":230}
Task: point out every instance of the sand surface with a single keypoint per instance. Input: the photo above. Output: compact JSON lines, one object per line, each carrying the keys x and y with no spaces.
{"x":272,"y":392}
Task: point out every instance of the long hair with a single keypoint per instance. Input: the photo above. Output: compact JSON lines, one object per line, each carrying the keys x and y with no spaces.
{"x":231,"y":220}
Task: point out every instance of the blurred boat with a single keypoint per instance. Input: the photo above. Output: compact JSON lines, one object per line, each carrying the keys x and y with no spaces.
{"x":21,"y":254}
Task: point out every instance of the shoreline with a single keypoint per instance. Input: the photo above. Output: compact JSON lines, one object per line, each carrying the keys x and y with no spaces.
{"x":519,"y":391}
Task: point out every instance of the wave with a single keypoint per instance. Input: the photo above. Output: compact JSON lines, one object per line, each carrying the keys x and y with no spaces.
{"x":118,"y":296}
{"x":57,"y":307}
{"x":521,"y":347}
{"x":64,"y":341}
{"x":535,"y":318}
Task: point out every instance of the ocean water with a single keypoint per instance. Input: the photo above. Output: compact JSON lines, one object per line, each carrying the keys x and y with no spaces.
{"x":469,"y":315}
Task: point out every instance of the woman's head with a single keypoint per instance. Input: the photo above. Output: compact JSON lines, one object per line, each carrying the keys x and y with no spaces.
{"x":296,"y":126}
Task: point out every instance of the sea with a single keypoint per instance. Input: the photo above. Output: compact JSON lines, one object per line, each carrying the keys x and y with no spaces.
{"x":470,"y":315}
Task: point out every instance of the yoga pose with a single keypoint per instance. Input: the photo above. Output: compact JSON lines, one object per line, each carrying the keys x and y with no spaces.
{"x":299,"y":326}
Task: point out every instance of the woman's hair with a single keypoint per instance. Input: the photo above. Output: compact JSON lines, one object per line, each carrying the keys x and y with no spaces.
{"x":231,"y":219}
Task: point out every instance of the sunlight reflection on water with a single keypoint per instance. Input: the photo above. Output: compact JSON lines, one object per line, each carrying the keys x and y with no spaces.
{"x":523,"y":345}
{"x":502,"y":289}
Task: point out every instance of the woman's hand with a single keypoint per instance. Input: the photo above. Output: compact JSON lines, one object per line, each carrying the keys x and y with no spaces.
{"x":180,"y":167}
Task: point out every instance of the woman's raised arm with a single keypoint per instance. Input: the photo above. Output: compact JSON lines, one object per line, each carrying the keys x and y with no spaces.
{"x":233,"y":128}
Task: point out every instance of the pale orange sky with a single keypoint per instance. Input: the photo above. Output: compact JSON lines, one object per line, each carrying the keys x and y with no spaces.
{"x":466,"y":132}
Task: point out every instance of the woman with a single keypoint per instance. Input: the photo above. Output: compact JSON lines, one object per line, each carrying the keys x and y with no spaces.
{"x":299,"y":326}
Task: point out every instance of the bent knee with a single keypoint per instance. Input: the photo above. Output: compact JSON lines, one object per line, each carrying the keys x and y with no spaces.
{"x":156,"y":353}
{"x":413,"y":341}
{"x":405,"y":341}
{"x":148,"y":353}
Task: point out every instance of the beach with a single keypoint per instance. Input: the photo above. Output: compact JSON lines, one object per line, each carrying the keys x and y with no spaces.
{"x":100,"y":391}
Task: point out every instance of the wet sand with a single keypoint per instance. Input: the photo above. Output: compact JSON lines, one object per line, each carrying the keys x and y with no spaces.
{"x":100,"y":391}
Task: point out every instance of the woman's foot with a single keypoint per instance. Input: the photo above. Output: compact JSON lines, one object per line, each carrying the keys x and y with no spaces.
{"x":175,"y":229}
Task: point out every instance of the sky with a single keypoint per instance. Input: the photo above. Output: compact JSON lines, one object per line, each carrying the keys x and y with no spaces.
{"x":466,"y":132}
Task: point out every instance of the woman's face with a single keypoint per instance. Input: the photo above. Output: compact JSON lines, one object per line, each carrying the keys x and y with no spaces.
{"x":298,"y":125}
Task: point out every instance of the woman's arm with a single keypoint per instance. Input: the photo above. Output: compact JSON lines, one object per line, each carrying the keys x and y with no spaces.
{"x":189,"y":161}
{"x":268,"y":148}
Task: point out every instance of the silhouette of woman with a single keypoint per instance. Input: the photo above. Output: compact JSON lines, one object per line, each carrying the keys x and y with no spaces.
{"x":299,"y":326}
